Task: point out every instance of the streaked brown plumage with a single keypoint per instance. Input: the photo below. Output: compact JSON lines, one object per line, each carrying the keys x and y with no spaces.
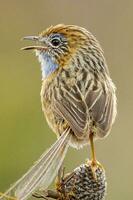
{"x":78,"y":99}
{"x":80,"y":93}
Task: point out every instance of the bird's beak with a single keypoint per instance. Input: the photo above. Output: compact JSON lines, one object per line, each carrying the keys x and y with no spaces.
{"x":33,"y":38}
{"x":35,"y":47}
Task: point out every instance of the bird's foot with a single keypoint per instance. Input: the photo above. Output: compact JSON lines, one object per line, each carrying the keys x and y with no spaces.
{"x":94,"y":164}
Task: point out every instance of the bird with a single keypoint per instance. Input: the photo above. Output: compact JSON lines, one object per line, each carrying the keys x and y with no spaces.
{"x":78,"y":100}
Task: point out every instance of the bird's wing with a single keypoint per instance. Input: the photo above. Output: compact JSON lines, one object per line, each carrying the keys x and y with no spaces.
{"x":103,"y":111}
{"x":73,"y":109}
{"x":101,"y":102}
{"x":77,"y":108}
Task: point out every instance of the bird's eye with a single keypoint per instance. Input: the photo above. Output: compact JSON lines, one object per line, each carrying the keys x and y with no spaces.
{"x":55,"y":42}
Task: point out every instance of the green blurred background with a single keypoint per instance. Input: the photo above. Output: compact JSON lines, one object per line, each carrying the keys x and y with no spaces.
{"x":24,"y":134}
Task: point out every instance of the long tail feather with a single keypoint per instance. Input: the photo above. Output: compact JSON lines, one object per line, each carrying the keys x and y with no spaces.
{"x":40,"y":175}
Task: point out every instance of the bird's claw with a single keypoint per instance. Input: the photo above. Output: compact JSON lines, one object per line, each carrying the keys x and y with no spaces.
{"x":94,"y":164}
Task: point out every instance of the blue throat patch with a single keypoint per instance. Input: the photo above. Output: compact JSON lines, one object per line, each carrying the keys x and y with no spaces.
{"x":48,"y":65}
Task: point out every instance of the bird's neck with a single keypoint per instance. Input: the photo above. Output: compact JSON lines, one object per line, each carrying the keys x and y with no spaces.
{"x":48,"y":65}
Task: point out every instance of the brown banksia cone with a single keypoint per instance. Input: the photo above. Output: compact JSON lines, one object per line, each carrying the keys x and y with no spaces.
{"x":82,"y":185}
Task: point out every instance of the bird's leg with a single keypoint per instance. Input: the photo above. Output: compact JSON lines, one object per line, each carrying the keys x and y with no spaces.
{"x":94,"y":163}
{"x":93,"y":155}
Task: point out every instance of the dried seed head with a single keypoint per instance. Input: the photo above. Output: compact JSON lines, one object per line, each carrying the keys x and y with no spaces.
{"x":81,"y":184}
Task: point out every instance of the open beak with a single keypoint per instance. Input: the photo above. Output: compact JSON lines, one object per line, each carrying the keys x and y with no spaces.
{"x":34,"y":47}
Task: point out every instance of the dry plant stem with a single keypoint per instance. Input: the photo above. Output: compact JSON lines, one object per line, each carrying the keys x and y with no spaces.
{"x":47,"y":194}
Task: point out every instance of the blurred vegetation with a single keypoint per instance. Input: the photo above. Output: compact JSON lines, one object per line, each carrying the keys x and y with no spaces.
{"x":24,"y":132}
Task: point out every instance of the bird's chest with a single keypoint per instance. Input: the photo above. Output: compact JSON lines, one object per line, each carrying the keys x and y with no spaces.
{"x":57,"y":88}
{"x":47,"y":99}
{"x":53,"y":91}
{"x":49,"y":92}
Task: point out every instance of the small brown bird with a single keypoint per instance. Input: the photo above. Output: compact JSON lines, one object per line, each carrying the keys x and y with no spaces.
{"x":78,"y":99}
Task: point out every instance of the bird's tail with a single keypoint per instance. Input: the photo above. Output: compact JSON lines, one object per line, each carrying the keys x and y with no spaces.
{"x":42,"y":173}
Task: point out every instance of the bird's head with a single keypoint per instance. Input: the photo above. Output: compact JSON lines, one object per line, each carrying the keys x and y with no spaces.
{"x":57,"y":45}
